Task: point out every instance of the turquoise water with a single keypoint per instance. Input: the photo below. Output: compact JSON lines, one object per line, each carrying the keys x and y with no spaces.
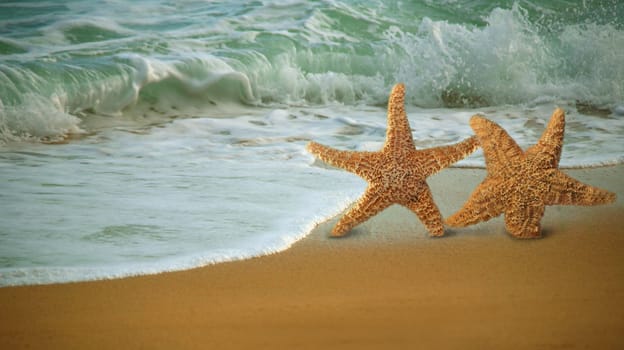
{"x":146,"y":136}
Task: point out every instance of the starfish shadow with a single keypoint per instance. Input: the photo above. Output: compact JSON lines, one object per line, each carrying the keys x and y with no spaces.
{"x":447,"y":233}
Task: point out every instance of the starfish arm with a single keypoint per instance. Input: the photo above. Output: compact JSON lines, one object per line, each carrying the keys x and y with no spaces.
{"x":371,"y":203}
{"x":427,"y":211}
{"x":399,"y":133}
{"x":498,"y":147}
{"x":355,"y":162}
{"x":439,"y":158}
{"x":547,"y":151}
{"x":484,"y":203}
{"x":523,"y":215}
{"x":564,"y":190}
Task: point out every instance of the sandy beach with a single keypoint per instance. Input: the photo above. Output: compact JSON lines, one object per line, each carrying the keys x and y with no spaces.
{"x":387,"y":285}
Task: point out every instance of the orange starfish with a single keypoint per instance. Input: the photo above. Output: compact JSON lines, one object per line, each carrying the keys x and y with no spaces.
{"x":520,"y":184}
{"x":397,"y":173}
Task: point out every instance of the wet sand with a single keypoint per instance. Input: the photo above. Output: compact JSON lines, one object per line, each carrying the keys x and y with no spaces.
{"x":387,"y":285}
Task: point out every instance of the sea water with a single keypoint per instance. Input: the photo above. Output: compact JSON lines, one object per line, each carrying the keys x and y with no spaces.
{"x":138,"y":137}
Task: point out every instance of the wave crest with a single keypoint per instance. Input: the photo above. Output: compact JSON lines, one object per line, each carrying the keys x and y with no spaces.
{"x":344,"y":55}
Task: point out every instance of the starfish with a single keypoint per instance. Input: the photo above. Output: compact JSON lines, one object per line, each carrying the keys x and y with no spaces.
{"x":520,"y":184}
{"x":396,"y":174}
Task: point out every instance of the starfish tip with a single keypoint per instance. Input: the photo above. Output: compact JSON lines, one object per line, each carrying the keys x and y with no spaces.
{"x":337,"y":234}
{"x":312,"y":147}
{"x":533,"y":233}
{"x":398,"y":87}
{"x":397,"y":95}
{"x":477,"y":120}
{"x":558,"y":114}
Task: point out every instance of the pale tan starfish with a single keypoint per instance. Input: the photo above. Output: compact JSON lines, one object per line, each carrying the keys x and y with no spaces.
{"x":520,"y":184}
{"x":397,"y":173}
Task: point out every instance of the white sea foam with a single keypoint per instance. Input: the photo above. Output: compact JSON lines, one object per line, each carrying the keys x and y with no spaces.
{"x":195,"y":192}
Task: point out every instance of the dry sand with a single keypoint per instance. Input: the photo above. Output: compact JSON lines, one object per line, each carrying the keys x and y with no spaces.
{"x":386,"y":285}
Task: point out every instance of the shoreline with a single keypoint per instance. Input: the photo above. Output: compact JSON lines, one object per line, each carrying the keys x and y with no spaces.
{"x":387,"y":284}
{"x":310,"y":227}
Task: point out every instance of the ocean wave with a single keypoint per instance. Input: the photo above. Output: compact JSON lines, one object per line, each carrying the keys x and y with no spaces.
{"x":326,"y":53}
{"x":50,"y":103}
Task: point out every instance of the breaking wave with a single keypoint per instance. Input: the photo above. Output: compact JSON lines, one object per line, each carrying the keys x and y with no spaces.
{"x":344,"y":53}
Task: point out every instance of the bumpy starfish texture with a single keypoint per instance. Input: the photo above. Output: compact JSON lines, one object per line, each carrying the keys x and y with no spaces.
{"x":396,"y":174}
{"x":520,"y":184}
